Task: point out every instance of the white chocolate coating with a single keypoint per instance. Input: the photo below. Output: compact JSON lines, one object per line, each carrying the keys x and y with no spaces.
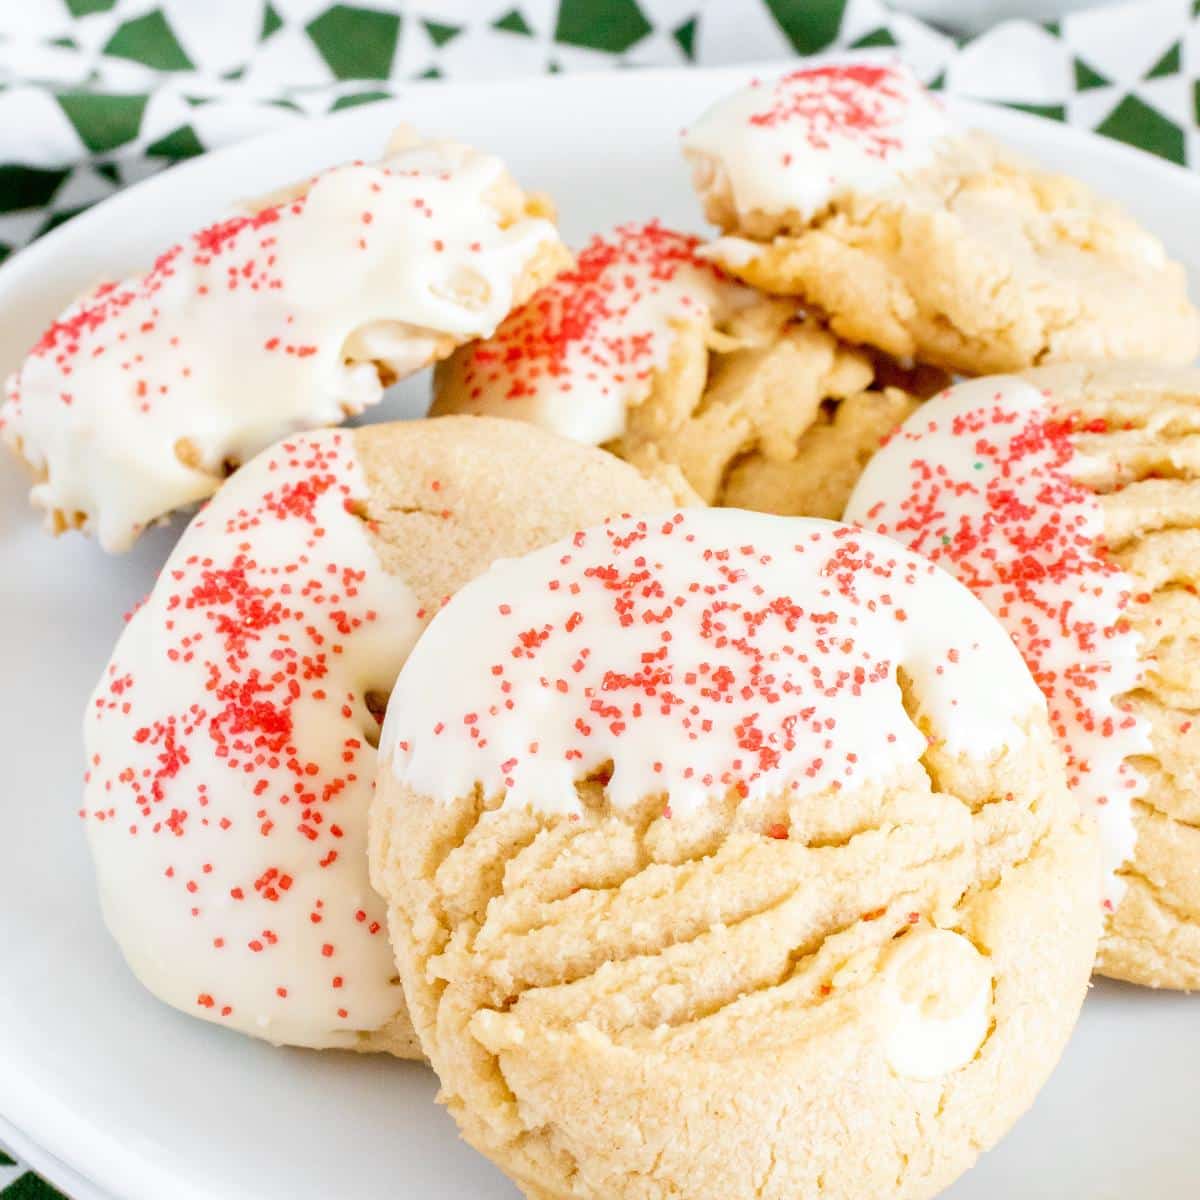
{"x":575,"y":356}
{"x":715,"y":649}
{"x":792,"y":145}
{"x":980,"y":480}
{"x":231,"y":762}
{"x":265,"y":323}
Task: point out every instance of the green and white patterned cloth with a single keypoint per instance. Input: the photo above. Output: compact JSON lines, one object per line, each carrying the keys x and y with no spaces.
{"x":99,"y":93}
{"x":96,"y":94}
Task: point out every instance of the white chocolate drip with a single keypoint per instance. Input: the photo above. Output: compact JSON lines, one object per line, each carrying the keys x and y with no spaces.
{"x":979,"y":479}
{"x":140,"y":395}
{"x":585,"y":347}
{"x":711,"y":651}
{"x":790,"y":146}
{"x":231,"y":763}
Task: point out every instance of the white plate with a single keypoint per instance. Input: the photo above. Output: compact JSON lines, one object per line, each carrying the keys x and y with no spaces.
{"x":150,"y":1104}
{"x":14,"y":1142}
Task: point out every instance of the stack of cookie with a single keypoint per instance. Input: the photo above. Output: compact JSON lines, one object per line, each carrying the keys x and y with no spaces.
{"x":869,"y":252}
{"x":707,"y":846}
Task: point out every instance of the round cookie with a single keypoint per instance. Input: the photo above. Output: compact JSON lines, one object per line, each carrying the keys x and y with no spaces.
{"x":1068,"y":501}
{"x":648,"y":350}
{"x":291,"y":314}
{"x":847,"y":185}
{"x":727,"y":856}
{"x":231,"y":738}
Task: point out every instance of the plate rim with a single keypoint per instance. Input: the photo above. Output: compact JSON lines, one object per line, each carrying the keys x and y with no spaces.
{"x":31,"y":1157}
{"x":66,"y":1147}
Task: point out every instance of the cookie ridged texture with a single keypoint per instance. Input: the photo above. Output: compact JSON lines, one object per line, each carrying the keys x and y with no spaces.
{"x":816,"y":479}
{"x":1141,"y":453}
{"x":626,"y":1004}
{"x":770,"y":412}
{"x":979,"y":263}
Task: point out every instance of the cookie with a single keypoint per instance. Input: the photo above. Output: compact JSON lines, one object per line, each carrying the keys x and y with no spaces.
{"x":231,"y":739}
{"x":729,"y":855}
{"x":724,"y":394}
{"x":1069,"y":501}
{"x":828,"y":457}
{"x":293,"y":314}
{"x":848,"y":186}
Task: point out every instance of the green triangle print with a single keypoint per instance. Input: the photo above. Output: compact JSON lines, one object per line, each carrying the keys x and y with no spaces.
{"x":513,"y":22}
{"x":810,"y":25}
{"x":27,"y":187}
{"x":440,"y":34}
{"x":877,"y":37}
{"x":30,"y":1187}
{"x":1171,"y":63}
{"x":1052,"y":112}
{"x":150,"y":41}
{"x":103,"y":121}
{"x":1087,"y":77}
{"x":685,"y":36}
{"x":356,"y":43}
{"x":611,"y":25}
{"x":179,"y":143}
{"x":84,"y":8}
{"x":358,"y":98}
{"x":1135,"y":122}
{"x":271,"y":22}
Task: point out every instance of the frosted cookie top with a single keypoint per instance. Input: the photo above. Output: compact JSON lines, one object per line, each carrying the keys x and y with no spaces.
{"x":231,"y":761}
{"x":787,"y":148}
{"x":135,"y":401}
{"x":981,"y":480}
{"x":586,"y":345}
{"x":713,"y":650}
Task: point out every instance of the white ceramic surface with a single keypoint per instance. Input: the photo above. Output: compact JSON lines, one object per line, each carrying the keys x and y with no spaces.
{"x":151,"y":1105}
{"x":14,"y":1142}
